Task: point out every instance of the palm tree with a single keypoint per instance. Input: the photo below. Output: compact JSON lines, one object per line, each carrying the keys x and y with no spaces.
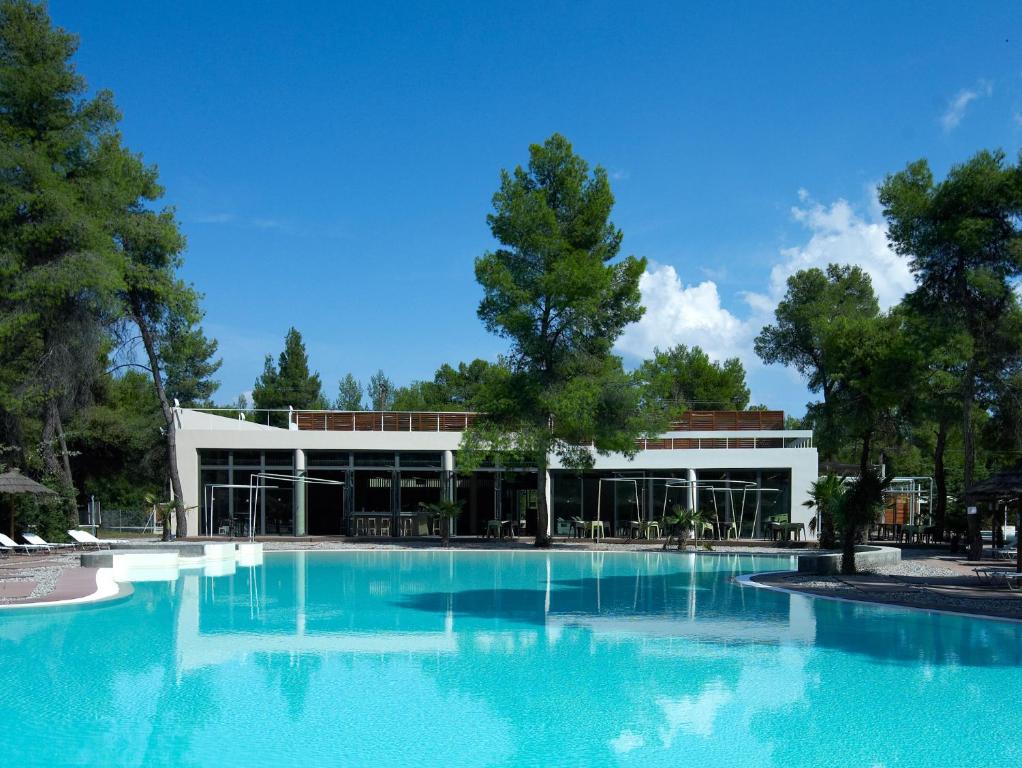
{"x":859,"y":506}
{"x":680,"y":522}
{"x":825,"y":496}
{"x":447,"y":511}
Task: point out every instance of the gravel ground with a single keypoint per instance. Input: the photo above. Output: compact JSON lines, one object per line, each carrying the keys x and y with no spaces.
{"x":43,"y":571}
{"x":915,"y":569}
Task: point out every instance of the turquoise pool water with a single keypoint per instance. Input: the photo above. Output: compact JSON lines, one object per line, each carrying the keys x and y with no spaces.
{"x":382,"y":659}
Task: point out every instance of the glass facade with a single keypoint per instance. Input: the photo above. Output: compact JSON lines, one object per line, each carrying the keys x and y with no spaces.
{"x":226,"y":479}
{"x":390,"y":487}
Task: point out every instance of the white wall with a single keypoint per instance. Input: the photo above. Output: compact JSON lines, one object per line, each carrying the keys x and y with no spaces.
{"x":200,"y":431}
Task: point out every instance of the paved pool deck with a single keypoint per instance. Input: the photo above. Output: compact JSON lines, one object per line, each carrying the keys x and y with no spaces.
{"x":935,"y":581}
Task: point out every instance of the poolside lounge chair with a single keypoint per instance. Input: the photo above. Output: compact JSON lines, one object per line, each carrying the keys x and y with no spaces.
{"x":86,"y":539}
{"x":994,"y":576}
{"x":38,"y":540}
{"x":10,"y":544}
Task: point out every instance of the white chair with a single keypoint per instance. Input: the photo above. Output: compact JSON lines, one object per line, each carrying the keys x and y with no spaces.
{"x":385,"y":526}
{"x":33,"y":538}
{"x":86,"y":539}
{"x":8,"y":543}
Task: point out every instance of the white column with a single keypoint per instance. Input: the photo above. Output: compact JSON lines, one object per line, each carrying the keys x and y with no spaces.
{"x":693,"y":497}
{"x":549,"y":506}
{"x":447,"y":490}
{"x":300,"y":512}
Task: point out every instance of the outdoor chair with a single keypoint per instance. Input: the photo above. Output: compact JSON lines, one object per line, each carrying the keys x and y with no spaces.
{"x":33,"y":538}
{"x":86,"y":539}
{"x":577,"y":527}
{"x":385,"y":526}
{"x":994,"y":576}
{"x":10,"y":544}
{"x":595,"y":529}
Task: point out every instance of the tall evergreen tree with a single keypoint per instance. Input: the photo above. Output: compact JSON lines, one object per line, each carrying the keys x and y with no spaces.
{"x":963,"y":239}
{"x":289,"y":382}
{"x":349,"y":394}
{"x":816,"y":302}
{"x":557,"y":291}
{"x":380,"y":391}
{"x":58,"y":267}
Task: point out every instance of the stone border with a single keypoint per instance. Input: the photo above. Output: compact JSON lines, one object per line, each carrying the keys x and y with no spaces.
{"x":751,"y":580}
{"x":867,"y":557}
{"x":78,"y":586}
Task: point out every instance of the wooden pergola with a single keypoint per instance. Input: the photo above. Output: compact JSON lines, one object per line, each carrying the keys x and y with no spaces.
{"x":1004,"y":486}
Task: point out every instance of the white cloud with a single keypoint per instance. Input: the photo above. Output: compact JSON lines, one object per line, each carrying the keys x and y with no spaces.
{"x":693,"y":314}
{"x":960,"y":103}
{"x":626,"y":742}
{"x":838,"y":234}
{"x":680,"y":314}
{"x":694,"y":715}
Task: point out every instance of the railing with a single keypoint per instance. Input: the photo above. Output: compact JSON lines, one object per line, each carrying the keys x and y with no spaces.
{"x":766,"y":438}
{"x":699,"y":430}
{"x":718,"y":421}
{"x":384,"y":421}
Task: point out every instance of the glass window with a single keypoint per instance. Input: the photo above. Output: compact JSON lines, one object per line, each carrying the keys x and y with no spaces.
{"x":220,"y":499}
{"x":421,"y":460}
{"x":372,"y":491}
{"x":280,"y":458}
{"x":374,"y":459}
{"x":327,"y":458}
{"x":419,"y":488}
{"x":214,"y":458}
{"x":248,"y":458}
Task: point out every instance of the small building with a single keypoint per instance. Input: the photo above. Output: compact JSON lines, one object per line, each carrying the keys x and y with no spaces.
{"x":368,"y":472}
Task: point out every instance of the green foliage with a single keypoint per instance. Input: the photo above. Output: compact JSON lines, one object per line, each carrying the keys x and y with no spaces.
{"x":825,"y":496}
{"x":558,"y":293}
{"x":816,"y":310}
{"x":349,"y":394}
{"x":59,"y":269}
{"x":682,"y":522}
{"x":289,"y":382}
{"x":682,"y":379}
{"x":963,"y":240}
{"x":452,"y":389}
{"x":118,"y":451}
{"x":856,"y":509}
{"x":380,"y":392}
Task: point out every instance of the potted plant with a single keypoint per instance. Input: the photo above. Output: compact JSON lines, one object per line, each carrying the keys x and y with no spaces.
{"x":447,"y":511}
{"x":681,"y":522}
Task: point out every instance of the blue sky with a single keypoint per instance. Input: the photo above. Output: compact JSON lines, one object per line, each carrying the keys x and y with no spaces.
{"x":332,"y":164}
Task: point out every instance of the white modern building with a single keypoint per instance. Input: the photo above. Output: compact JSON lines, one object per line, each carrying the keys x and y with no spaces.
{"x":366,"y":473}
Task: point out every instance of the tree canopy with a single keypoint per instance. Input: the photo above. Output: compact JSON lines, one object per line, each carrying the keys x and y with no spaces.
{"x":289,"y":382}
{"x":558,"y":292}
{"x":680,"y":379}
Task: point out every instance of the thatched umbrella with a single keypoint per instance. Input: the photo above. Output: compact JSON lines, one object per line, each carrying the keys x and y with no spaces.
{"x":13,"y":483}
{"x":1002,"y":486}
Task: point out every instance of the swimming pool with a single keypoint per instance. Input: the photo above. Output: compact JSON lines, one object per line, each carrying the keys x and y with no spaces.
{"x":399,"y":658}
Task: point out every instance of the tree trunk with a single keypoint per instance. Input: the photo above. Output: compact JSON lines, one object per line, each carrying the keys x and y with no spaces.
{"x":847,"y":549}
{"x":940,"y":480}
{"x":168,"y":417}
{"x":53,"y":435}
{"x":542,"y":513}
{"x":969,"y":465}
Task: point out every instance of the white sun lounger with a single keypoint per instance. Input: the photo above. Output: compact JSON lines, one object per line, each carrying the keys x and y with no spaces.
{"x":8,"y":543}
{"x":33,"y":538}
{"x":86,"y":539}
